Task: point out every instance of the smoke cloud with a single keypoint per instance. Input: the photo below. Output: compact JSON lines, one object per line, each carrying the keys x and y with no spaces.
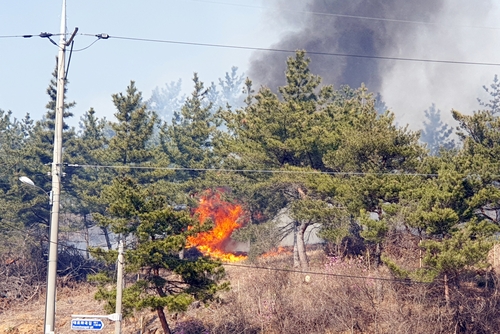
{"x":459,"y":31}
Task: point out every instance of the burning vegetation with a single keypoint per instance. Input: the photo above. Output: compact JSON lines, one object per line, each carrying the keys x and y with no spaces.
{"x":226,"y":217}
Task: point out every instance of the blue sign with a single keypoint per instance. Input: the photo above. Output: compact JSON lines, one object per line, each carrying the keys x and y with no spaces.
{"x":87,"y":324}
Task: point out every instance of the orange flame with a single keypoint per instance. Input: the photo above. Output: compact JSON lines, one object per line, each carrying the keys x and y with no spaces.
{"x":279,"y":251}
{"x":226,"y":217}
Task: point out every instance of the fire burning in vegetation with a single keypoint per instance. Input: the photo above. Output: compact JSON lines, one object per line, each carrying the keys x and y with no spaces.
{"x":226,"y":217}
{"x":278,"y":251}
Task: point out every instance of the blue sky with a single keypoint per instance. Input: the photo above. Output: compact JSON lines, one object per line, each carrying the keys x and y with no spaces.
{"x":108,"y":66}
{"x":462,"y":30}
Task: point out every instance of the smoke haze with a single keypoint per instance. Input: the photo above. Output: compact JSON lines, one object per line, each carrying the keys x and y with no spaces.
{"x":408,"y":88}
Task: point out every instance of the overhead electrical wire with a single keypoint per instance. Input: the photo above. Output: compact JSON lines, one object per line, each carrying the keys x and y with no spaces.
{"x":49,"y":35}
{"x":100,"y":36}
{"x":323,"y":273}
{"x":242,"y":47}
{"x":37,"y":236}
{"x":88,"y":46}
{"x":448,"y":25}
{"x":310,"y":52}
{"x":269,"y":171}
{"x":43,"y":35}
{"x":248,"y":266}
{"x":349,"y":16}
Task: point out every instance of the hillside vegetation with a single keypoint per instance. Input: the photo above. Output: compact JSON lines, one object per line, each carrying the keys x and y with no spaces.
{"x":336,"y":296}
{"x":408,"y":227}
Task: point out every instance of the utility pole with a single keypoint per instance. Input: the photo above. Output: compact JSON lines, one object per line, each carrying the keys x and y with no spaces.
{"x":50,"y":302}
{"x":119,"y":289}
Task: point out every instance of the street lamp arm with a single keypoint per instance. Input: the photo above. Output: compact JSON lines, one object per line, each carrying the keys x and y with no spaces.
{"x":26,"y":180}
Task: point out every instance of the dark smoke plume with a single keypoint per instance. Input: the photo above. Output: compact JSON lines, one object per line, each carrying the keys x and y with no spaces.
{"x":334,"y":34}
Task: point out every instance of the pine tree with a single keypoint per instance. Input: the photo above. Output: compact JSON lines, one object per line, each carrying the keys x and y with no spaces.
{"x":51,"y":105}
{"x":273,"y":133}
{"x":492,"y":105}
{"x":130,"y":146}
{"x":480,"y":134}
{"x":155,"y":233}
{"x":27,"y":150}
{"x":212,"y":97}
{"x":231,"y":87}
{"x":23,"y":209}
{"x":454,"y":237}
{"x":187,"y":142}
{"x":15,"y":200}
{"x":436,"y":134}
{"x":42,"y":139}
{"x":133,"y":129}
{"x":89,"y":148}
{"x":38,"y":154}
{"x":380,"y":105}
{"x":167,"y":100}
{"x":454,"y":208}
{"x":371,"y":148}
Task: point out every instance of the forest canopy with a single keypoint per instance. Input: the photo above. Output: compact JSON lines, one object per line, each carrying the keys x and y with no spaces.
{"x":325,"y":156}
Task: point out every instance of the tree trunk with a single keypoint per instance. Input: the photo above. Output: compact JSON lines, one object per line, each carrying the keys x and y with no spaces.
{"x":106,"y":236}
{"x":378,"y":254}
{"x":301,"y":246}
{"x":86,"y":236}
{"x":420,"y":257}
{"x":446,"y":290}
{"x":160,"y":310}
{"x":369,"y":260}
{"x":163,"y":320}
{"x":296,"y":261}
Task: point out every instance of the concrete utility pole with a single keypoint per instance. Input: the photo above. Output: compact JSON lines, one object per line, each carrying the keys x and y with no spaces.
{"x":119,"y":289}
{"x":50,"y":303}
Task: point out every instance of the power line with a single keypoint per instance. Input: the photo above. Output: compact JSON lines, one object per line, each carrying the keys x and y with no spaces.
{"x":88,"y":46}
{"x":17,"y":36}
{"x":49,"y":35}
{"x":269,"y":171}
{"x":42,"y":35}
{"x":325,"y":274}
{"x":57,"y":243}
{"x":319,"y":53}
{"x":351,"y":16}
{"x":241,"y":47}
{"x":252,"y":267}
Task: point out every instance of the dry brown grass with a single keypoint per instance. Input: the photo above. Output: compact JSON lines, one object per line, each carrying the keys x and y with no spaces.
{"x":272,"y":302}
